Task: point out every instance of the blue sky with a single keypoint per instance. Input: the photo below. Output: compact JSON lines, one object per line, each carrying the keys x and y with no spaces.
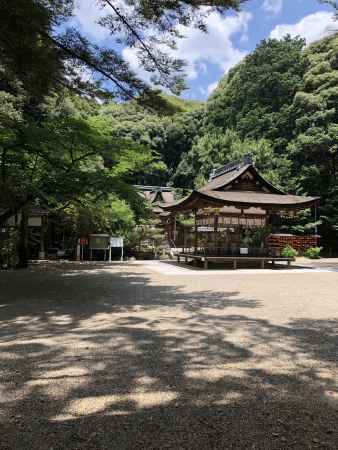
{"x":230,"y":38}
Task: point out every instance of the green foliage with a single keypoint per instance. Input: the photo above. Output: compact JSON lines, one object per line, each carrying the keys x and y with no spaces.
{"x":147,"y":237}
{"x":72,"y":156}
{"x":313,"y":252}
{"x":186,"y":221}
{"x":107,"y":215}
{"x":302,"y":223}
{"x":255,"y":97}
{"x":8,"y":246}
{"x":180,"y":105}
{"x":289,"y":252}
{"x":168,"y":136}
{"x":246,"y":242}
{"x":314,"y":150}
{"x":69,"y":154}
{"x":216,"y":149}
{"x":250,"y":111}
{"x":29,"y":60}
{"x":258,"y":237}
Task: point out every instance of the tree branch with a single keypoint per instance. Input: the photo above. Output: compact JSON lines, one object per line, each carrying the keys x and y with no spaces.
{"x":135,"y":33}
{"x":88,"y":63}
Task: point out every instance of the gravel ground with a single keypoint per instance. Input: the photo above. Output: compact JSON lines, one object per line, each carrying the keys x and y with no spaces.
{"x":121,"y":356}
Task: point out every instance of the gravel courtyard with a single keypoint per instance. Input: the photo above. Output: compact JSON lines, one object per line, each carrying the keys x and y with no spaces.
{"x":127,"y":356}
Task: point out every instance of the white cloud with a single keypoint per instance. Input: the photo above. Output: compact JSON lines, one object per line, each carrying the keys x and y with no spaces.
{"x":312,"y":27}
{"x":273,"y":7}
{"x":130,"y":55}
{"x":199,"y":49}
{"x":214,"y":47}
{"x":86,"y":15}
{"x":212,"y":87}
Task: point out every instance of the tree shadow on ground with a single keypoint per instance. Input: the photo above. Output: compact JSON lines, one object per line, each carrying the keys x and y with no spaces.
{"x":94,"y":359}
{"x":60,"y":299}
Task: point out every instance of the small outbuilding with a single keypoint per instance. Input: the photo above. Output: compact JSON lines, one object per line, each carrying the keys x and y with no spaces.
{"x":159,"y":196}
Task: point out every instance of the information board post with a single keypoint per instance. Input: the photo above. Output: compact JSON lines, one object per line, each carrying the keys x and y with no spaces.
{"x":117,"y":242}
{"x":80,"y":248}
{"x":99,"y":242}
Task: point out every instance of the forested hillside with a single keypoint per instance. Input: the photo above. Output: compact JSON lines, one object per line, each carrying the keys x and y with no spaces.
{"x":167,"y":135}
{"x":314,"y":147}
{"x":252,"y":108}
{"x":280,"y":104}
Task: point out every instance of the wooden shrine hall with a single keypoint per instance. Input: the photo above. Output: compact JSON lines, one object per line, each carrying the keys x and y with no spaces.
{"x":236,"y":215}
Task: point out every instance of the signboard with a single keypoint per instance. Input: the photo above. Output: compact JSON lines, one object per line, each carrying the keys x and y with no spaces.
{"x":99,"y":241}
{"x":116,"y":242}
{"x":83,"y":241}
{"x":205,"y":229}
{"x":35,"y":221}
{"x":211,"y":229}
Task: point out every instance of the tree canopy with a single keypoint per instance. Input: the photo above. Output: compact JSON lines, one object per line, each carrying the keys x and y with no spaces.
{"x":256,"y":96}
{"x":314,"y":149}
{"x":78,"y":144}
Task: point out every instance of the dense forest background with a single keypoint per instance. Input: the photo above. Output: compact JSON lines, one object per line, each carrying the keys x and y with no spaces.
{"x":280,"y":104}
{"x":69,"y":144}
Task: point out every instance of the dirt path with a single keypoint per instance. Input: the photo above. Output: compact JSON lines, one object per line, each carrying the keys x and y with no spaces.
{"x":125,"y":357}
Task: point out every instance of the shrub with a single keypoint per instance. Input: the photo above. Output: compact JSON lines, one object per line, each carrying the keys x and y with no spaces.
{"x":8,"y":256}
{"x":289,"y":252}
{"x":313,"y":252}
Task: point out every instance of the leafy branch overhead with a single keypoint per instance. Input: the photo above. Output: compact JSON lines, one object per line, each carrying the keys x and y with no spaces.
{"x":73,"y":152}
{"x":51,"y":52}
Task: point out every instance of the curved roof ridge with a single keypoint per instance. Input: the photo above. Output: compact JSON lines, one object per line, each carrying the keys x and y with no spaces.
{"x":227,"y":178}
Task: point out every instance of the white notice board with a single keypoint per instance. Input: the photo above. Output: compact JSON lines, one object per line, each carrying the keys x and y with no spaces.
{"x":116,"y":241}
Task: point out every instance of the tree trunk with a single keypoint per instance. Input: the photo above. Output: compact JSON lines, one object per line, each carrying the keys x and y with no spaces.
{"x":12,"y":210}
{"x":23,"y":240}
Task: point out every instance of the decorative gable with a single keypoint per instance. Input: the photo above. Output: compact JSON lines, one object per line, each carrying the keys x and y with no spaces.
{"x":248,"y":181}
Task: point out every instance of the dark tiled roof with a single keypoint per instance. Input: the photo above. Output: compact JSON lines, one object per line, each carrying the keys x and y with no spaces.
{"x":241,"y":199}
{"x":217,"y":193}
{"x":259,"y":198}
{"x":158,"y":196}
{"x":224,"y":180}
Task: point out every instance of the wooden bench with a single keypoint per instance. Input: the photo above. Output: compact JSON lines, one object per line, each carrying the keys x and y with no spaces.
{"x":234,"y":259}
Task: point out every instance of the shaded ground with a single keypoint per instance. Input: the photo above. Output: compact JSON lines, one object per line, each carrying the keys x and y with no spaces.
{"x":122,"y":357}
